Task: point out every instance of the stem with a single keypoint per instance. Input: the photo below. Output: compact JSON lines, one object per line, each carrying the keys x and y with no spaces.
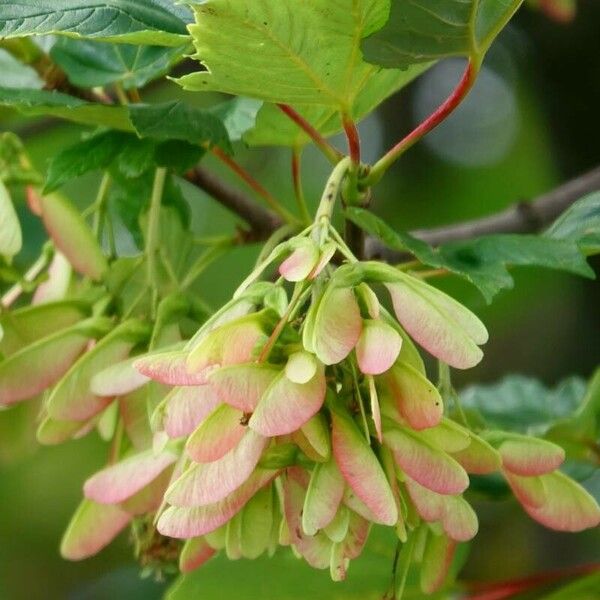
{"x":403,"y":566}
{"x":121,"y":95}
{"x":205,"y":260}
{"x":363,"y":412}
{"x":447,"y":391}
{"x":353,"y":139}
{"x":452,"y":102}
{"x":330,"y":194}
{"x":36,"y":268}
{"x":115,"y":447}
{"x":134,"y":94}
{"x":264,"y":355}
{"x":254,"y":185}
{"x":332,"y":154}
{"x":153,"y":231}
{"x":100,"y":204}
{"x":297,"y":179}
{"x":342,"y":246}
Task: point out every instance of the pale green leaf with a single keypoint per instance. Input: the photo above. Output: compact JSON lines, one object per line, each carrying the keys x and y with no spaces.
{"x":276,"y":129}
{"x":424,"y":31}
{"x":159,"y":22}
{"x":261,"y":50}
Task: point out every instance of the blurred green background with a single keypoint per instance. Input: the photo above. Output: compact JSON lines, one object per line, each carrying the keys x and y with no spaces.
{"x":531,"y":123}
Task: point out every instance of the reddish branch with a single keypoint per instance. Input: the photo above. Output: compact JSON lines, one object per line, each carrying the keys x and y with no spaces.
{"x":261,"y":220}
{"x":252,"y":183}
{"x":451,"y":103}
{"x":353,"y":139}
{"x":328,"y":150}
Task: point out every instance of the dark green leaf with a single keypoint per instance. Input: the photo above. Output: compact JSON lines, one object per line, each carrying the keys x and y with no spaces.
{"x":158,"y":22}
{"x":96,"y":152}
{"x":482,"y":261}
{"x":89,"y":64}
{"x":179,"y":121}
{"x":580,"y":223}
{"x":132,"y":157}
{"x":418,"y":33}
{"x":55,"y":104}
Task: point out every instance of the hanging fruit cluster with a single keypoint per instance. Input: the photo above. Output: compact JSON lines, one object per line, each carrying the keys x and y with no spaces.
{"x":300,"y":414}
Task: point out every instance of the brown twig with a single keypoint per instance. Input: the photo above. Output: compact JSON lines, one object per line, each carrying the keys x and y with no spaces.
{"x":520,"y":218}
{"x":523,"y":217}
{"x":261,"y":220}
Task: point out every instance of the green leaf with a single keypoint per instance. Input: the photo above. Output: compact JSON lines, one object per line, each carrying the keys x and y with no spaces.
{"x":483,"y":261}
{"x":580,"y":223}
{"x":95,"y":152}
{"x":56,"y":104}
{"x":11,"y":238}
{"x":260,"y":50}
{"x":89,"y":63}
{"x":179,"y":121}
{"x":158,"y":22}
{"x":238,"y":115}
{"x":524,"y":405}
{"x":273,"y":128}
{"x":416,"y":33}
{"x":131,"y":156}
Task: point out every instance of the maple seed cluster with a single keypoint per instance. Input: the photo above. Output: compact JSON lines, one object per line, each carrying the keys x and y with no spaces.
{"x":308,"y":419}
{"x":300,"y":414}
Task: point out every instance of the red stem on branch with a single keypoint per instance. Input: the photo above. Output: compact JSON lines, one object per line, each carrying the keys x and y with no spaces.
{"x":353,"y":139}
{"x":328,"y":150}
{"x":508,"y":589}
{"x":252,"y":183}
{"x":441,"y":113}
